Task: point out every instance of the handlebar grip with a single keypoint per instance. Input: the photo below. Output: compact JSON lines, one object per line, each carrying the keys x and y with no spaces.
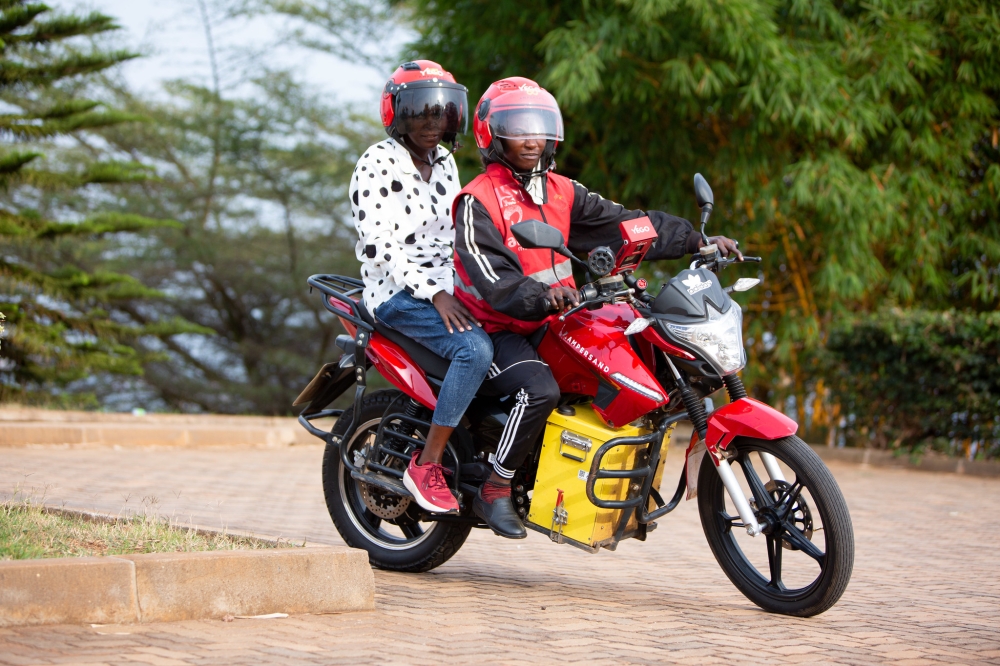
{"x":548,"y":307}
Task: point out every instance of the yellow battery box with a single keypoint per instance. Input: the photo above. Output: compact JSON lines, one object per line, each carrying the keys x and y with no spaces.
{"x":559,"y":504}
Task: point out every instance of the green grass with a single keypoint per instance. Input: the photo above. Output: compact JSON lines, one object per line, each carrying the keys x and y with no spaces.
{"x":27,"y":531}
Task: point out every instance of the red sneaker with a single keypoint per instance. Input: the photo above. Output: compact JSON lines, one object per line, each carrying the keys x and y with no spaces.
{"x":428,"y":485}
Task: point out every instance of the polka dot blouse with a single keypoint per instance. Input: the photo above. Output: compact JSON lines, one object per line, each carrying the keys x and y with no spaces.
{"x":405,"y":232}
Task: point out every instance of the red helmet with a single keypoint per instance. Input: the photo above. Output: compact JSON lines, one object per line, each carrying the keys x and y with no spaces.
{"x":516,"y":108}
{"x":420,"y":89}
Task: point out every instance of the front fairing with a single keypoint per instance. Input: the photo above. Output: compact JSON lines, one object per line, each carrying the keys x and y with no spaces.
{"x":695,"y":298}
{"x":585,"y":353}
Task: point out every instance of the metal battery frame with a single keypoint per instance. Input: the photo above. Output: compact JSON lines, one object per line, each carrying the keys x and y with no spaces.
{"x":638,"y":503}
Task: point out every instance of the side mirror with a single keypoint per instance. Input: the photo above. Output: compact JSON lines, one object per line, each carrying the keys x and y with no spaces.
{"x":535,"y":235}
{"x":703,"y":191}
{"x":706,"y":201}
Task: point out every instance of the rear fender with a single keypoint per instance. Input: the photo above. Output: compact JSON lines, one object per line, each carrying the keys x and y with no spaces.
{"x":745,"y":417}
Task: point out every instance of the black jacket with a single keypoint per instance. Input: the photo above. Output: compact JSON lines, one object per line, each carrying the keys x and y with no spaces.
{"x":593,"y":222}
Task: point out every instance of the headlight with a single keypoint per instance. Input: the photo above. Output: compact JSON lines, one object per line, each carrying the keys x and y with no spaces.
{"x":720,"y":338}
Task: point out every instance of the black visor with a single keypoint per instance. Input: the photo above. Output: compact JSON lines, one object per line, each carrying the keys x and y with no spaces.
{"x":439,"y":106}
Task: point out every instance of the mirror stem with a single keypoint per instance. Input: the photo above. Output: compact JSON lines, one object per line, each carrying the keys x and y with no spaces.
{"x":564,"y":251}
{"x":706,"y":212}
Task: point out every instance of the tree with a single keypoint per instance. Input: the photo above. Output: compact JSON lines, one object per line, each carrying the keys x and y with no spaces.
{"x":347,"y":29}
{"x":258,"y":184}
{"x":65,"y":323}
{"x":853,"y":145}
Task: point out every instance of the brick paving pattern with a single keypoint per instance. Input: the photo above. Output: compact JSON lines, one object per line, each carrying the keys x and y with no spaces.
{"x":925,"y":587}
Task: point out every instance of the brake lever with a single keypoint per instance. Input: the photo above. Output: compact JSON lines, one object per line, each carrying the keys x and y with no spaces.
{"x":723,"y":262}
{"x":576,"y":308}
{"x":597,"y":301}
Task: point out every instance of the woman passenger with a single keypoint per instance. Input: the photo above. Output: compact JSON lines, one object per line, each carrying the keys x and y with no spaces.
{"x":402,"y":193}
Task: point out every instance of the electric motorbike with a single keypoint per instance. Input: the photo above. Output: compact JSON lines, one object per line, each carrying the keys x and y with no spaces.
{"x":630,"y":364}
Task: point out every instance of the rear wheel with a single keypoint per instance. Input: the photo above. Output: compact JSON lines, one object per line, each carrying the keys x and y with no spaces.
{"x":802,"y":563}
{"x":388,"y":526}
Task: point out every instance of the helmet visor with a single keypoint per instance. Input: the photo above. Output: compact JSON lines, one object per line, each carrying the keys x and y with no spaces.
{"x":432,"y":108}
{"x":527,"y":123}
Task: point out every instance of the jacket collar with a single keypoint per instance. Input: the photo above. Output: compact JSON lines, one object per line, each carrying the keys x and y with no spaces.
{"x":537,"y":190}
{"x":405,"y":159}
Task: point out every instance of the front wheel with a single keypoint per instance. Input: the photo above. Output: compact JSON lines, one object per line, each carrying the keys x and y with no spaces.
{"x":390,"y":527}
{"x":802,"y":563}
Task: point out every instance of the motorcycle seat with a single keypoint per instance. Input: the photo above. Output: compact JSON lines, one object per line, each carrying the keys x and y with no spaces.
{"x":433,"y":365}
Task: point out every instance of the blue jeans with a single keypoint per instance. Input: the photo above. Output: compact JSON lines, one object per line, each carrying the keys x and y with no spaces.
{"x":470,"y":352}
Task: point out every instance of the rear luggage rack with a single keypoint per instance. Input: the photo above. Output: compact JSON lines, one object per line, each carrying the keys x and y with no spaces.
{"x":341,"y":288}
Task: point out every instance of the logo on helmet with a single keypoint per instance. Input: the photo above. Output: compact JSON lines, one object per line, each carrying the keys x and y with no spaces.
{"x":530,"y":90}
{"x":432,"y":71}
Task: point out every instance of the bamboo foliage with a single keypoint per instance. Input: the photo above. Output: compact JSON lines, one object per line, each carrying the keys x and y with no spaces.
{"x":852,"y":144}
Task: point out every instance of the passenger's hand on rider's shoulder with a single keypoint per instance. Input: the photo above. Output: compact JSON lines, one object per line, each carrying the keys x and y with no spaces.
{"x":726,"y":245}
{"x":561,"y":298}
{"x":453,"y":313}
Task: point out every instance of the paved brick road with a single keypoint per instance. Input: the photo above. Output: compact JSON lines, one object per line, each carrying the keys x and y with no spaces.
{"x":925,"y":586}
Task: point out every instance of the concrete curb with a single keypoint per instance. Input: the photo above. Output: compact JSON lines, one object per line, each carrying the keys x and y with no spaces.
{"x":189,"y":586}
{"x":929,"y":462}
{"x":164,"y":587}
{"x":68,"y":591}
{"x":23,"y":427}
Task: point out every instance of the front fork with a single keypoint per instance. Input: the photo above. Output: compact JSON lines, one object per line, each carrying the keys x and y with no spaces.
{"x":736,"y":493}
{"x":699,"y":418}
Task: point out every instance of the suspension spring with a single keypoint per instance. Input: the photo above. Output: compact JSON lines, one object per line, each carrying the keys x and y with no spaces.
{"x":412,"y":409}
{"x":695,"y":409}
{"x":735,"y":388}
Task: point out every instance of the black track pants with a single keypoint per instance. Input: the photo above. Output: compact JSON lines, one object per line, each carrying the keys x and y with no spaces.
{"x":532,"y":392}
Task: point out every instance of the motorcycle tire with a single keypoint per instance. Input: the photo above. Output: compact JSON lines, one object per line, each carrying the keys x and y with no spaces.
{"x":400,"y":543}
{"x":818,"y":510}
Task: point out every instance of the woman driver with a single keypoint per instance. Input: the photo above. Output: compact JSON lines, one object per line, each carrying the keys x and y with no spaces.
{"x":402,"y":193}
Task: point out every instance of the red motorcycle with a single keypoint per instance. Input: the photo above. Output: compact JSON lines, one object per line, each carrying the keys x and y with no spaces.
{"x":630,"y":365}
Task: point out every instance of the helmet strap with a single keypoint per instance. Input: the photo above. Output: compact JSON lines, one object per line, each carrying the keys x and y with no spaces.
{"x":525,"y":177}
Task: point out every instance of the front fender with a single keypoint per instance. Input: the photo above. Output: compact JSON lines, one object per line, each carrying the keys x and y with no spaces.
{"x":745,"y":417}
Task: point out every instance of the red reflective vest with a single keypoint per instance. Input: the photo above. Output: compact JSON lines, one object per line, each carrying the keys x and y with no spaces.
{"x":508,"y":203}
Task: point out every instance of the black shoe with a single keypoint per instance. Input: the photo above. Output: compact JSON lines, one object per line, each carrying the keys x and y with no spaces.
{"x":500,"y":516}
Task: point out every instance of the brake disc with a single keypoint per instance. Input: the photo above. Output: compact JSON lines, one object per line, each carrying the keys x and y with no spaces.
{"x":382,"y":503}
{"x":800,"y":515}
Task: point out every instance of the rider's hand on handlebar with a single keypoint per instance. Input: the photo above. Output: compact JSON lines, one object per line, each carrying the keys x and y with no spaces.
{"x":561,"y":298}
{"x":453,"y":313}
{"x":726,"y":245}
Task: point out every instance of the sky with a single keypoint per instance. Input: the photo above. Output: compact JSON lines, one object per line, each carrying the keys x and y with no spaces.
{"x":172,"y":33}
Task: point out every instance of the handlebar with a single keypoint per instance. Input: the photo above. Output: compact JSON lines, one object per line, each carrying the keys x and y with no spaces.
{"x":716,"y":263}
{"x":736,"y":260}
{"x":595,"y":301}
